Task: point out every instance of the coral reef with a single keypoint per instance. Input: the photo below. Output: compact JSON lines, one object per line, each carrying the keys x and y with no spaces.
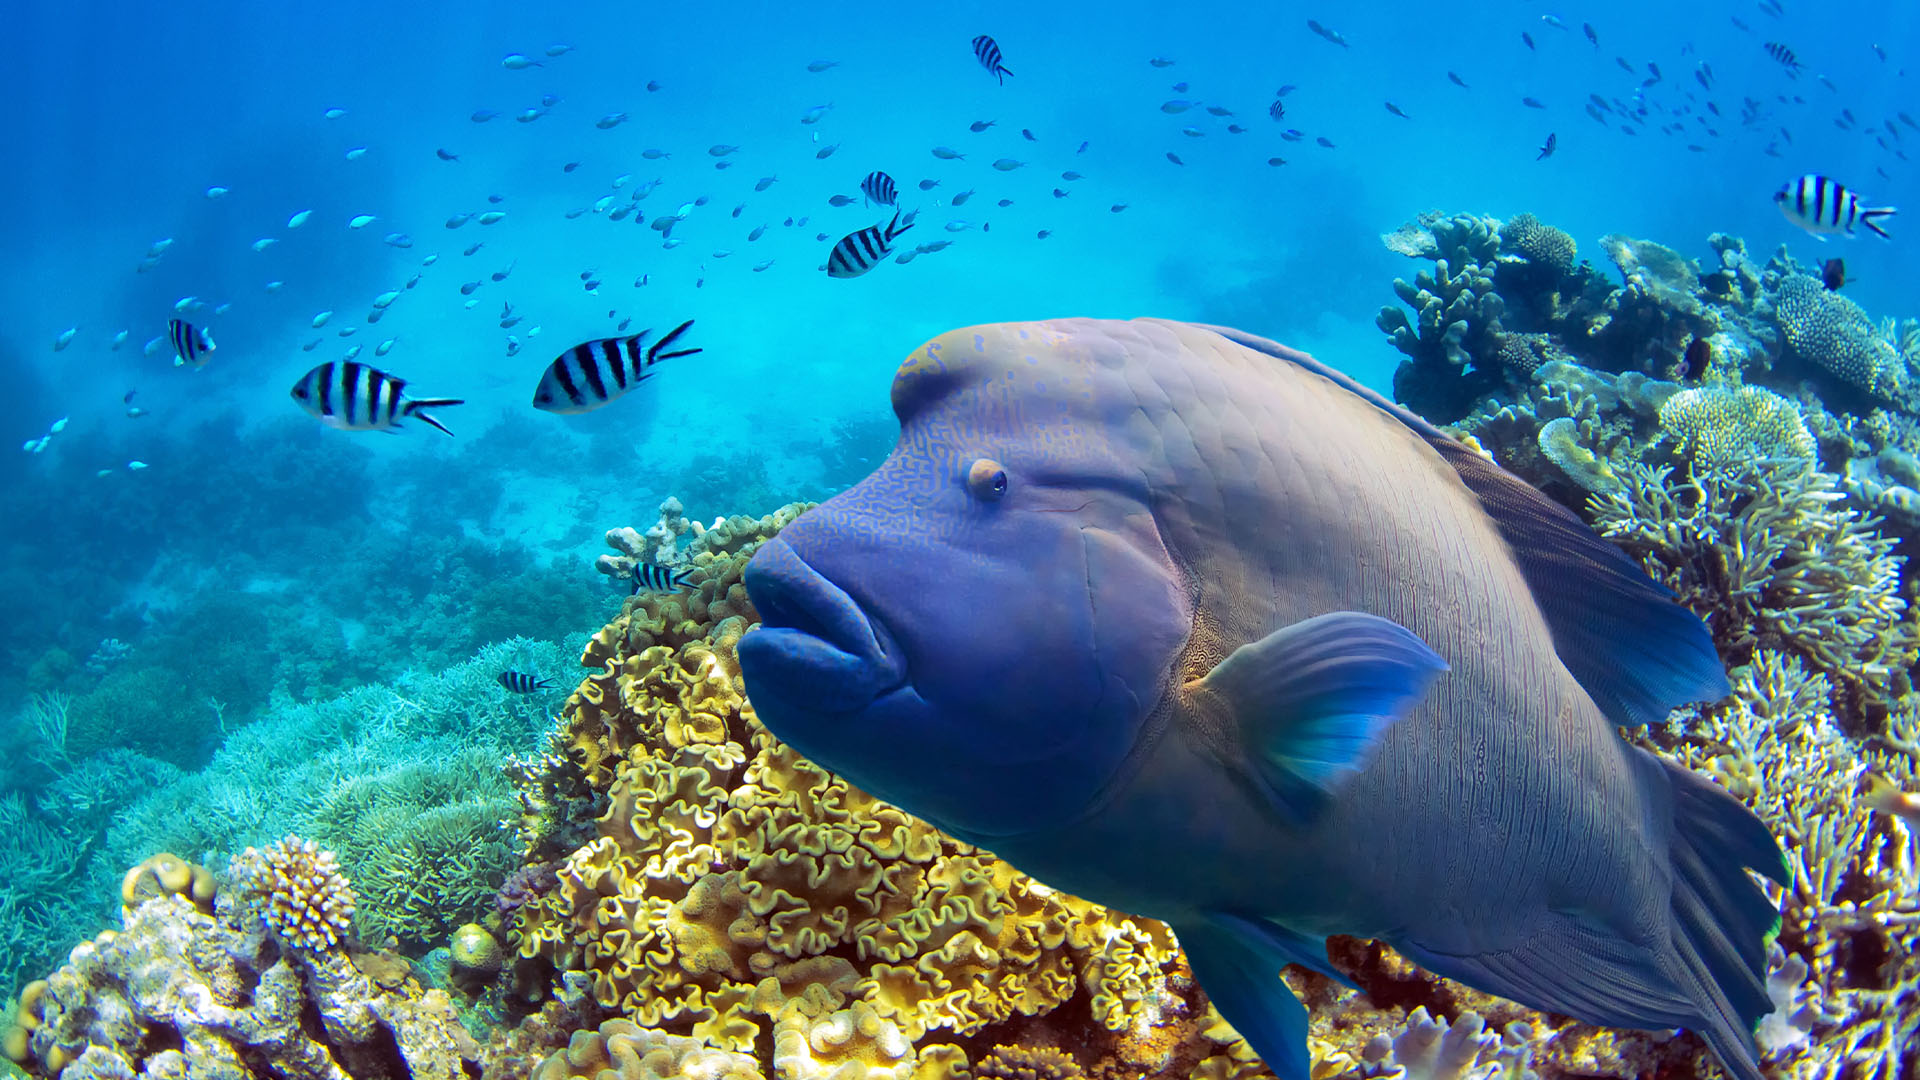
{"x":179,"y":992}
{"x":1505,"y":299}
{"x":1847,"y":979}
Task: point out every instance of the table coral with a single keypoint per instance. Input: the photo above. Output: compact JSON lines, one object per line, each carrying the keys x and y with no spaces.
{"x":178,"y":992}
{"x":1719,"y":425}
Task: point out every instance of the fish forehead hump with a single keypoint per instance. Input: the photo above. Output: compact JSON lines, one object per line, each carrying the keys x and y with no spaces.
{"x":1242,"y":450}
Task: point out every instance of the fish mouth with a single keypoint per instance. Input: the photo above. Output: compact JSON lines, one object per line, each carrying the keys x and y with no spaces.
{"x":817,"y":650}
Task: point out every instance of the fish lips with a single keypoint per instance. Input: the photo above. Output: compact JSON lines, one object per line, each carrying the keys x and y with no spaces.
{"x":816,"y":650}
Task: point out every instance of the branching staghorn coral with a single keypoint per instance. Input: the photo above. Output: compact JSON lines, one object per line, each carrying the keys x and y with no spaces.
{"x":1763,"y":552}
{"x":1849,"y":980}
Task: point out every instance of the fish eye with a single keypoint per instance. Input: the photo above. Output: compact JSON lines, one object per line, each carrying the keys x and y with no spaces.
{"x":987,"y":479}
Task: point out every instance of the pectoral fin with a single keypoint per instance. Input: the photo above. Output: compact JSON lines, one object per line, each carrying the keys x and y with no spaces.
{"x":1309,"y":701}
{"x":1237,"y":961}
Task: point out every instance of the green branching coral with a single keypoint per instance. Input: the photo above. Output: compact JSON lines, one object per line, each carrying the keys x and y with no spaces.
{"x":1832,"y":332}
{"x":1763,"y":551}
{"x":423,"y":843}
{"x":1718,"y":425}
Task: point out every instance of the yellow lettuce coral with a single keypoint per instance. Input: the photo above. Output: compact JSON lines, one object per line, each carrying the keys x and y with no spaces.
{"x":735,"y":891}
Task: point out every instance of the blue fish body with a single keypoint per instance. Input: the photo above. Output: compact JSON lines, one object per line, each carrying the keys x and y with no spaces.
{"x":1183,"y":622}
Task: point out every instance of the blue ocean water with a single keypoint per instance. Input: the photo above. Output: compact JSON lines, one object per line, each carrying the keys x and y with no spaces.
{"x":258,"y":561}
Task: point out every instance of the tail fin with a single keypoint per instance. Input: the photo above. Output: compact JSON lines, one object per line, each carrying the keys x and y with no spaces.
{"x":657,"y":353}
{"x":1867,"y":214}
{"x":415,"y":408}
{"x":1722,"y":922}
{"x":1709,"y":975}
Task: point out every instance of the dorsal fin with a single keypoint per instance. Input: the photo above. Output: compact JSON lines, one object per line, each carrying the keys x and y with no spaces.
{"x":1637,"y":653}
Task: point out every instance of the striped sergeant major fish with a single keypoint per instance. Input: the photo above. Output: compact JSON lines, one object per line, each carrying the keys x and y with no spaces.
{"x":859,"y":252}
{"x":1784,"y":56}
{"x":652,"y":577}
{"x":191,"y":344}
{"x":879,"y":188}
{"x":593,"y":373}
{"x":519,"y":682}
{"x":358,"y":397}
{"x":1823,"y":207}
{"x":987,"y":51}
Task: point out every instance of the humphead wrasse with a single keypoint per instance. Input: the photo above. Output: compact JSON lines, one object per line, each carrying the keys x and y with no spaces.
{"x":1186,"y":623}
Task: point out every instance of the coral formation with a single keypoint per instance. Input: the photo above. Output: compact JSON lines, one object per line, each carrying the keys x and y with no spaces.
{"x":1848,"y":979}
{"x":296,"y":887}
{"x":179,"y":992}
{"x":659,"y":545}
{"x":622,"y":1050}
{"x":168,"y":873}
{"x":1831,"y":331}
{"x":1453,"y":339}
{"x":1526,"y":236}
{"x":1719,"y":425}
{"x":737,"y":893}
{"x":1761,"y":551}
